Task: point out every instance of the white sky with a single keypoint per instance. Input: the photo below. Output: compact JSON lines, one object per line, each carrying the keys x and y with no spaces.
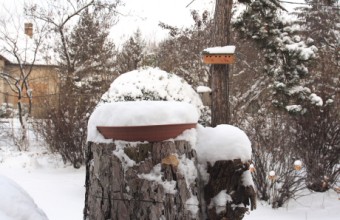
{"x":146,"y":14}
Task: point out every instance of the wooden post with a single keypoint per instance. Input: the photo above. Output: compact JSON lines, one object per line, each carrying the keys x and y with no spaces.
{"x":220,"y":73}
{"x":225,"y":175}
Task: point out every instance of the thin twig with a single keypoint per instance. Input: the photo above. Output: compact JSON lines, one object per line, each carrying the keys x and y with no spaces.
{"x":190,"y":3}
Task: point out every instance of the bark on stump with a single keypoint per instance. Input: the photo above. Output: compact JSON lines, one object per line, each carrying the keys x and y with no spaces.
{"x":116,"y":190}
{"x":228,"y":175}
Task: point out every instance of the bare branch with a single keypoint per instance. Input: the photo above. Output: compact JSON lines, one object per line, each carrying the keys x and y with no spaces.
{"x":190,"y":3}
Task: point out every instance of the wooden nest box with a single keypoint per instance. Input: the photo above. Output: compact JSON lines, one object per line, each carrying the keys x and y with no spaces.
{"x":29,"y":29}
{"x":219,"y":55}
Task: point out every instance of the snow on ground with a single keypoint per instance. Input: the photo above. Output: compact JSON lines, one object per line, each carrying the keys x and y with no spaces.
{"x":24,"y":208}
{"x":57,"y":189}
{"x":315,"y":206}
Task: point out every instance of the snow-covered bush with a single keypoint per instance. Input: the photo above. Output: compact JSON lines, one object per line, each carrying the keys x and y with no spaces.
{"x":154,"y":84}
{"x":6,"y":110}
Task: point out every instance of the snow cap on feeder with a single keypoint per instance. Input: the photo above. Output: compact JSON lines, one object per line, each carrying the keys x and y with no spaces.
{"x":205,"y":94}
{"x":298,"y":165}
{"x":272,"y":175}
{"x":219,"y":55}
{"x":251,"y":168}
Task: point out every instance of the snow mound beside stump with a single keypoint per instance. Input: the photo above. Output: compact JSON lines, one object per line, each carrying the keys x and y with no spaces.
{"x":224,"y":142}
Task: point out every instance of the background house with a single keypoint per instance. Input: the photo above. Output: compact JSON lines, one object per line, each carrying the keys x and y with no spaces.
{"x":43,"y":81}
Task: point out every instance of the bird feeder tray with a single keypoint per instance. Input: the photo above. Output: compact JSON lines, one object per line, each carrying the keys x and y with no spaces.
{"x":151,"y":133}
{"x":297,"y":167}
{"x":29,"y":29}
{"x":218,"y":58}
{"x":219,"y":55}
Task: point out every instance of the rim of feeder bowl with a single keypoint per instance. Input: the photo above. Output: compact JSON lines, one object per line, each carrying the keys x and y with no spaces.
{"x":150,"y":133}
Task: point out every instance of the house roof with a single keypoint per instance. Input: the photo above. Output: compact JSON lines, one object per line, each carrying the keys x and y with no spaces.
{"x":9,"y":62}
{"x":5,"y":59}
{"x":25,"y":50}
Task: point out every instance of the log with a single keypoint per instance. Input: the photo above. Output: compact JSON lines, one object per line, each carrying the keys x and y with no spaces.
{"x":141,"y":181}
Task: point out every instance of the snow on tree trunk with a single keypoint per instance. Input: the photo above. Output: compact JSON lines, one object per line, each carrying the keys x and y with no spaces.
{"x":141,"y":181}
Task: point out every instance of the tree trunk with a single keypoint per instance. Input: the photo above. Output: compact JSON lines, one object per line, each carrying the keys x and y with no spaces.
{"x":225,"y":175}
{"x":118,"y":188}
{"x":220,"y":112}
{"x":220,"y":108}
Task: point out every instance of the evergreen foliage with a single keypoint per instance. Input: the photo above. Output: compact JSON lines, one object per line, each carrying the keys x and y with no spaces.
{"x":286,"y":53}
{"x":91,"y":52}
{"x":321,"y":23}
{"x":132,"y":53}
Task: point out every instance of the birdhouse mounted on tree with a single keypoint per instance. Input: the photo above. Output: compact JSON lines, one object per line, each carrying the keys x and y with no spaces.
{"x":29,"y":29}
{"x":219,"y":55}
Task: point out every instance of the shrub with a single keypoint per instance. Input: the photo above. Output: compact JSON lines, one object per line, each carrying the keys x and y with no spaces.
{"x":318,"y":145}
{"x":272,"y":154}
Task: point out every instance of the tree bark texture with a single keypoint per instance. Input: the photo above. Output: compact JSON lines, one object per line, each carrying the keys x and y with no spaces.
{"x":117,"y":191}
{"x":220,"y":108}
{"x":222,"y":18}
{"x":227,"y":175}
{"x":220,"y":112}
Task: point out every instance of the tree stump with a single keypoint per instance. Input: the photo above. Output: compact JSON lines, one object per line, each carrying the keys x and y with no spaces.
{"x":227,"y":175}
{"x":141,"y":181}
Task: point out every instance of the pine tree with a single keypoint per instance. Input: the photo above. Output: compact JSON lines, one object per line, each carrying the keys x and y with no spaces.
{"x":320,"y":22}
{"x":91,"y":52}
{"x":132,"y":53}
{"x":286,"y":53}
